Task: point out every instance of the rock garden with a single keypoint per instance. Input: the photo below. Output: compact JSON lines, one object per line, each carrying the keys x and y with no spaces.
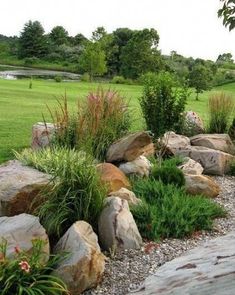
{"x":92,"y":208}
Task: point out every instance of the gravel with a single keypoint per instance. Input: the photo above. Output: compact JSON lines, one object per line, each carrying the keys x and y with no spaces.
{"x":125,"y":271}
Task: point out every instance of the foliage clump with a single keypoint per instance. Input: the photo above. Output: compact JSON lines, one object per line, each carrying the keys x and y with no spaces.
{"x":221,"y":107}
{"x":75,"y":191}
{"x":26,"y":273}
{"x":163,"y":103}
{"x":169,"y":175}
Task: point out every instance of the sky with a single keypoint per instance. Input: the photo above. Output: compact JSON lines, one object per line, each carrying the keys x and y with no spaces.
{"x":190,"y":27}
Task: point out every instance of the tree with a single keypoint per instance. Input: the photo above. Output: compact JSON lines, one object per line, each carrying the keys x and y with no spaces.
{"x":92,"y":59}
{"x":59,"y":35}
{"x":200,"y":78}
{"x":98,"y":34}
{"x":32,"y":41}
{"x":227,"y":12}
{"x":225,"y":58}
{"x":78,"y":39}
{"x":140,"y":54}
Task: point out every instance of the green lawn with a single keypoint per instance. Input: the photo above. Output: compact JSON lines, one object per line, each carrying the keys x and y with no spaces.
{"x":21,"y":107}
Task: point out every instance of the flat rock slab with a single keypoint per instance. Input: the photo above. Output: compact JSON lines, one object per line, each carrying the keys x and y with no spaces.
{"x":19,"y":185}
{"x":205,"y":270}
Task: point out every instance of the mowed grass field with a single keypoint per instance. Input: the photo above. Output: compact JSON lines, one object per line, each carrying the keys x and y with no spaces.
{"x":21,"y":107}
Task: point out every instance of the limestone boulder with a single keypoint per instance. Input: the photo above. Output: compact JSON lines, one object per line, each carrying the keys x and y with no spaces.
{"x":84,"y":267}
{"x":42,"y":134}
{"x":174,"y":142}
{"x":221,"y":142}
{"x":190,"y":166}
{"x":19,"y":185}
{"x":130,"y":147}
{"x":20,"y":230}
{"x":194,"y":123}
{"x":112,"y":177}
{"x":204,"y":270}
{"x":213,"y":161}
{"x":127,"y":195}
{"x":201,"y":185}
{"x":117,"y":227}
{"x":141,"y":166}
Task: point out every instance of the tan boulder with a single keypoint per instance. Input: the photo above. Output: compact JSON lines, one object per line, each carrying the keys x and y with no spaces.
{"x":112,"y":177}
{"x":191,"y":167}
{"x":127,"y":195}
{"x":201,"y":185}
{"x":42,"y":134}
{"x":213,"y":161}
{"x":84,"y":266}
{"x":20,"y":230}
{"x":174,"y":142}
{"x":140,"y":166}
{"x":221,"y":142}
{"x":19,"y":186}
{"x":149,"y":150}
{"x":194,"y":123}
{"x":117,"y":227}
{"x":129,"y":147}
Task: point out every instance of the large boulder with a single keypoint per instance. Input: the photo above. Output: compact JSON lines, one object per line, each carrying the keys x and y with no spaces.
{"x":201,"y":185}
{"x":190,"y":166}
{"x":213,"y":161}
{"x":20,"y":230}
{"x":84,"y":266}
{"x":174,"y":142}
{"x":129,"y":147}
{"x":19,"y":185}
{"x":221,"y":142}
{"x":42,"y":134}
{"x":127,"y":195}
{"x":194,"y":123}
{"x":140,"y":166}
{"x":112,"y":177}
{"x":204,"y":270}
{"x":117,"y":227}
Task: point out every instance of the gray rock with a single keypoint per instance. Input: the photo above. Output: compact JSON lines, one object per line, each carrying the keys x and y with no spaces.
{"x":42,"y":134}
{"x":129,"y":147}
{"x":208,"y":269}
{"x":117,"y":227}
{"x":190,"y":166}
{"x":213,"y":161}
{"x":84,"y":266}
{"x":20,"y":230}
{"x":221,"y":142}
{"x":19,"y":185}
{"x":174,"y":142}
{"x":193,"y":122}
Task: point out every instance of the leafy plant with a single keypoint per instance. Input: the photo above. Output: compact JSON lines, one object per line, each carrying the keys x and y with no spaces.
{"x":163,"y":103}
{"x":232,"y":168}
{"x":100,"y":120}
{"x":75,"y":191}
{"x":169,"y":175}
{"x":231,"y":130}
{"x":167,"y":211}
{"x":221,"y":107}
{"x":27,"y":274}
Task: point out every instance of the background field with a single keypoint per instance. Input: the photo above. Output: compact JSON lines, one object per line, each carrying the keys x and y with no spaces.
{"x":21,"y":107}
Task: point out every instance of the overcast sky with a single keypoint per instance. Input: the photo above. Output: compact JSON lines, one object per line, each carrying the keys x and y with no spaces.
{"x":190,"y":27}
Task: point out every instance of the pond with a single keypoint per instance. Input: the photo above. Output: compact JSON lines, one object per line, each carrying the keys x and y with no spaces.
{"x":13,"y":73}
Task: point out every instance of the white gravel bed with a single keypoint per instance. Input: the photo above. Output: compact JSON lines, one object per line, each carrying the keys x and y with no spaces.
{"x":126,"y":270}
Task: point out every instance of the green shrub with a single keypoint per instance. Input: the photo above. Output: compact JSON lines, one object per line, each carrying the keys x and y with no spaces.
{"x":167,"y":211}
{"x":58,"y":78}
{"x":118,"y":80}
{"x":169,"y":175}
{"x":232,"y":168}
{"x":221,"y":107}
{"x":100,"y":120}
{"x":25,"y":273}
{"x":29,"y":61}
{"x":163,"y":103}
{"x":231,"y":130}
{"x":75,"y":191}
{"x":85,"y":77}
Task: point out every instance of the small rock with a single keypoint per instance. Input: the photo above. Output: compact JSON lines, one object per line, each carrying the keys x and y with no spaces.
{"x":127,"y":195}
{"x":191,"y":167}
{"x":42,"y":134}
{"x":140,"y":166}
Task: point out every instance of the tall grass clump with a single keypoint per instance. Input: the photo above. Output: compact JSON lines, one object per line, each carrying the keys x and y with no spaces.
{"x":75,"y":191}
{"x":221,"y":107}
{"x":101,"y":118}
{"x":168,"y":211}
{"x":163,"y":103}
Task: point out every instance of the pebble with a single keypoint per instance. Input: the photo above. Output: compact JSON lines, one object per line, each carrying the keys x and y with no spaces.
{"x":126,"y":271}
